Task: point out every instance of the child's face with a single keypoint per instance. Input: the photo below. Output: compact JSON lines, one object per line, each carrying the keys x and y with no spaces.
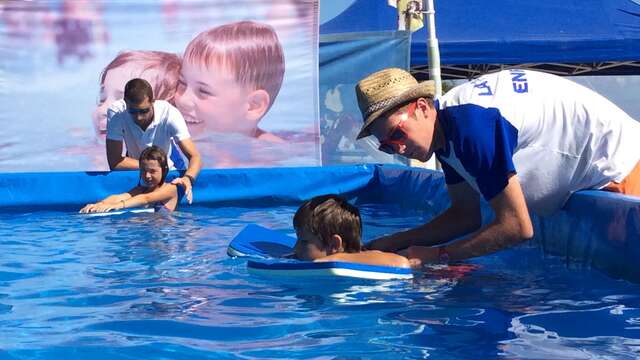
{"x":112,"y":89}
{"x":309,"y":246}
{"x":150,"y":173}
{"x":211,"y":101}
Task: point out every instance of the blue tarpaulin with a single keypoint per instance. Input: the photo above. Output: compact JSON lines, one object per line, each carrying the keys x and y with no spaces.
{"x":344,"y":60}
{"x":512,"y":31}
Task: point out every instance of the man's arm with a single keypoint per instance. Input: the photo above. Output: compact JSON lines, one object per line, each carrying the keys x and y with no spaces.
{"x":511,"y":226}
{"x":116,"y":160}
{"x":462,"y":217}
{"x":162,"y":194}
{"x":188,"y":148}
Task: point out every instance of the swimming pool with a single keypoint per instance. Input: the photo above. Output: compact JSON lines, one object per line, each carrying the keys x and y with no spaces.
{"x":162,"y":286}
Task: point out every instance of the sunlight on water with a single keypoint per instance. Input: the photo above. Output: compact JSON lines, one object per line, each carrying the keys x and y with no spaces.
{"x":162,"y":286}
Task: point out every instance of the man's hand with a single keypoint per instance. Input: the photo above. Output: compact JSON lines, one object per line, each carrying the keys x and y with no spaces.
{"x":422,"y":255}
{"x":188,"y":148}
{"x":100,"y":207}
{"x":87,"y":209}
{"x":185,"y":182}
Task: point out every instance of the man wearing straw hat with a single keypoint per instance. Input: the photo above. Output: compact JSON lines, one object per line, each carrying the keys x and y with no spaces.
{"x":523,"y":140}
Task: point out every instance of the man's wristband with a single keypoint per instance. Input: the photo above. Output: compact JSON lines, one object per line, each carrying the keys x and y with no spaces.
{"x":192,"y":180}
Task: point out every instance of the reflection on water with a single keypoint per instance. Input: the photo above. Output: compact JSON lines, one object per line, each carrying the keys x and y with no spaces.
{"x":136,"y":285}
{"x":611,"y":331}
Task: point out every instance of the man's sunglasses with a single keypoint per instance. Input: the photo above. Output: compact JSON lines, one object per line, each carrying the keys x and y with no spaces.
{"x":134,"y":111}
{"x":397,"y":135}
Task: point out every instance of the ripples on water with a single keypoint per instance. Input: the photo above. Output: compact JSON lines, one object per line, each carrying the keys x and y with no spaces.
{"x":162,"y":286}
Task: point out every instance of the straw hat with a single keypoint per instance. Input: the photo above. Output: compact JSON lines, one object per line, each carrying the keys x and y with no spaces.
{"x":386,"y":89}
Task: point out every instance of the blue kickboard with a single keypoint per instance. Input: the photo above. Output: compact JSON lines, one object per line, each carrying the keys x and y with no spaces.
{"x":257,"y":241}
{"x":121,"y":212}
{"x":271,"y":247}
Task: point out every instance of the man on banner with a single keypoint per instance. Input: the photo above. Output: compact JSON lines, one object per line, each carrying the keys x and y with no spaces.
{"x":140,"y":121}
{"x":523,"y":140}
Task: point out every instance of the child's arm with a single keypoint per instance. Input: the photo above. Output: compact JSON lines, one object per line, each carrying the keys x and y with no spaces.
{"x":163,"y":194}
{"x":116,"y":198}
{"x":372,"y":257}
{"x":110,"y":202}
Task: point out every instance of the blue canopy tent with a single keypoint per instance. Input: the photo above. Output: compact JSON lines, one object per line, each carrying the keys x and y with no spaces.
{"x":565,"y":37}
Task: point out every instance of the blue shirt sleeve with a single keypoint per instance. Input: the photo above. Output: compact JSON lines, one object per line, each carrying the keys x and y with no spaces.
{"x":484,"y":143}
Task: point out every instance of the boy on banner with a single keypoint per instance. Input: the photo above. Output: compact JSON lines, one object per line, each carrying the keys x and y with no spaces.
{"x":230,"y":77}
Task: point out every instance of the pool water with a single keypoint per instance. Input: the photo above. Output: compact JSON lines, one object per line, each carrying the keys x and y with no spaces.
{"x":161,"y":286}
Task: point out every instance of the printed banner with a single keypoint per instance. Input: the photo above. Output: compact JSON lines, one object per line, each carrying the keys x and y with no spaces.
{"x":344,"y":60}
{"x":65,"y":62}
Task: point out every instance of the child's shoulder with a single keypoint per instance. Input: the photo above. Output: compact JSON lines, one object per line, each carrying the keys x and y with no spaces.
{"x":173,"y":189}
{"x":388,"y":258}
{"x":371,"y":257}
{"x":167,"y":185}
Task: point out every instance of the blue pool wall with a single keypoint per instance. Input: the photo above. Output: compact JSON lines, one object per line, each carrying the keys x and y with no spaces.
{"x":595,"y":228}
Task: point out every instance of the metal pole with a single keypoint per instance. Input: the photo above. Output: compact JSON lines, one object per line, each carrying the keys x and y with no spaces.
{"x":433,"y":51}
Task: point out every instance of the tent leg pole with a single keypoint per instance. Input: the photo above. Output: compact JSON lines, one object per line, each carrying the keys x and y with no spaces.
{"x":433,"y":51}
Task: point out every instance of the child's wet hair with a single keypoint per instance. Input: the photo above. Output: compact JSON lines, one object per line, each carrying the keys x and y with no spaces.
{"x":329,"y":215}
{"x":155,"y":153}
{"x":167,"y":67}
{"x":249,"y":50}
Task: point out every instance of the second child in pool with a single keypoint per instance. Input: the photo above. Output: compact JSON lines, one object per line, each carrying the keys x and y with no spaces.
{"x":152,"y":190}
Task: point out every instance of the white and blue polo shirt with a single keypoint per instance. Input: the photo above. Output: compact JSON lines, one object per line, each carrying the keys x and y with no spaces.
{"x":557,"y":136}
{"x":167,"y":128}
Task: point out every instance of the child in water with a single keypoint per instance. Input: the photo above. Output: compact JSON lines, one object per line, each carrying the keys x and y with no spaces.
{"x":330,"y":229}
{"x":230,"y":77}
{"x":152,"y":190}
